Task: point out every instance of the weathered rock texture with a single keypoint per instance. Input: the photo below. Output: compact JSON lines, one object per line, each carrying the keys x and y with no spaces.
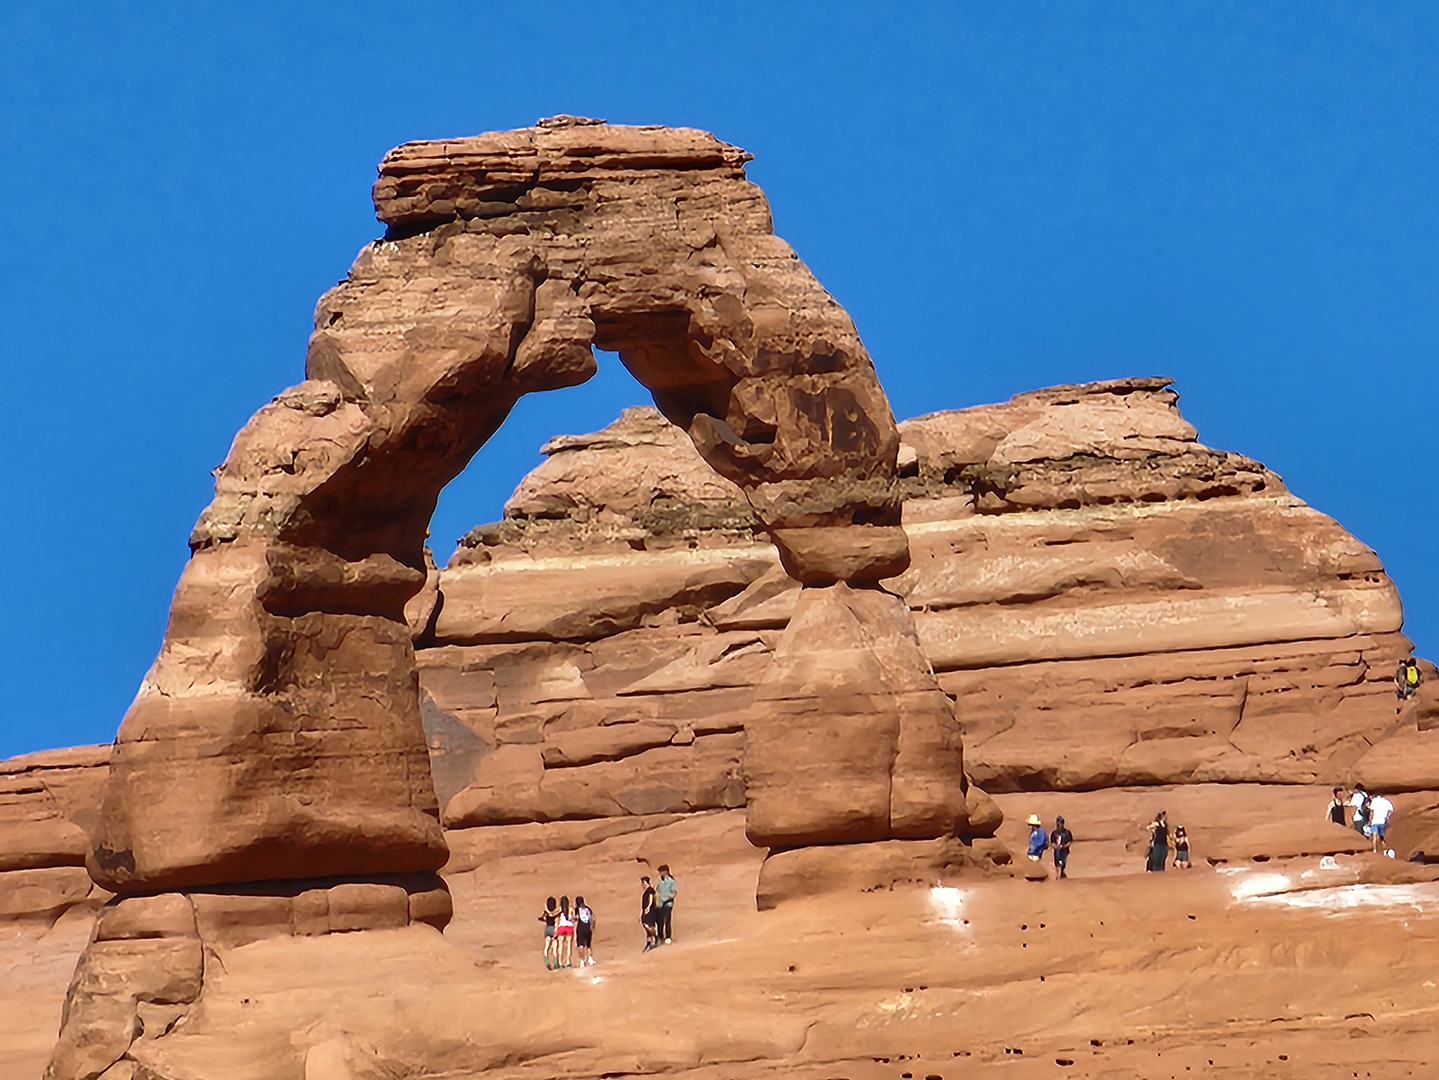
{"x":1112,"y":603}
{"x":1109,"y":602}
{"x":279,"y":733}
{"x":280,"y":738}
{"x":47,"y":802}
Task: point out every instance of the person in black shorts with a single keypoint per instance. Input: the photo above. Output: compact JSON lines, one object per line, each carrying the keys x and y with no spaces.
{"x":647,"y":913}
{"x":1059,"y":841}
{"x":584,"y":931}
{"x":549,"y":917}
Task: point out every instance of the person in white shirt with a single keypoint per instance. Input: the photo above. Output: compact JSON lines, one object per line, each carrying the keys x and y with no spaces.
{"x":1360,"y":801}
{"x":1380,"y":811}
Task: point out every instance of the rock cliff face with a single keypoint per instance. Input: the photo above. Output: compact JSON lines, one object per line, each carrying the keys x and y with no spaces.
{"x":1115,"y":609}
{"x":1112,"y":603}
{"x":1108,"y":602}
{"x":47,"y":802}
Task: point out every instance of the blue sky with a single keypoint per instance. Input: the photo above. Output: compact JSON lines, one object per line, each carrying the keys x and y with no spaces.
{"x":1004,"y":196}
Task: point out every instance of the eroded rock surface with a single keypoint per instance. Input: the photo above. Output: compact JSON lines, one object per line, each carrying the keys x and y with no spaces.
{"x":279,"y":733}
{"x":47,"y":802}
{"x":281,"y":737}
{"x":729,"y":619}
{"x":1108,"y":602}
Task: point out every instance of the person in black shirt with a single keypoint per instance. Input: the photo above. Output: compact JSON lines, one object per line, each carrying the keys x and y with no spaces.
{"x":648,"y":913}
{"x":1337,"y":805}
{"x":1158,"y":843}
{"x":549,"y":917}
{"x":1059,"y":841}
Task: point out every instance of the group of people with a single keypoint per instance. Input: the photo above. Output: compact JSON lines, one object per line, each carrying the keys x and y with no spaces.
{"x":570,"y":927}
{"x":569,"y":932}
{"x":1157,"y":857}
{"x":657,"y":908}
{"x":1057,"y":843}
{"x":1061,"y":839}
{"x":1367,"y":814}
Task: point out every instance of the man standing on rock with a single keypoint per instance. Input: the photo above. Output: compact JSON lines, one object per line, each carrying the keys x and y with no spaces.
{"x":1059,"y":841}
{"x":1380,"y":810}
{"x":664,"y":904}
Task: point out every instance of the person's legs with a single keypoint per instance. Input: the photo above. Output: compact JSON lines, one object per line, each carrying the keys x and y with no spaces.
{"x":663,"y":931}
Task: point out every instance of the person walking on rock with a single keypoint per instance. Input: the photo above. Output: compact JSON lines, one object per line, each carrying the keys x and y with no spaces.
{"x":665,"y":905}
{"x":1406,"y":679}
{"x":1059,"y":840}
{"x":1338,"y":812}
{"x":647,"y":912}
{"x":584,"y":931}
{"x":1360,"y":802}
{"x":565,"y":934}
{"x":1158,"y":843}
{"x":549,"y":917}
{"x":1380,"y":811}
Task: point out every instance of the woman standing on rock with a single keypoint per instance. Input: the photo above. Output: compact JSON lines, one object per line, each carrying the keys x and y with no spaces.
{"x":565,"y":934}
{"x":1181,"y":848}
{"x":1158,"y":842}
{"x":584,"y":931}
{"x":549,"y":917}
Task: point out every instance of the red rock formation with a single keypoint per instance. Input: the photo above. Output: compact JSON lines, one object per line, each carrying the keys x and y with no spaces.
{"x":274,"y":763}
{"x":1110,"y":603}
{"x":281,"y":713}
{"x":47,"y":801}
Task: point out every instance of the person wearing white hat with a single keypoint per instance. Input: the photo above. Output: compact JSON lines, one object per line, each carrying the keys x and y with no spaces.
{"x":1038,"y":840}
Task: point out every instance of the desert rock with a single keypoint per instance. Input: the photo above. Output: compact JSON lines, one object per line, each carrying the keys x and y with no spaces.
{"x":281,"y":714}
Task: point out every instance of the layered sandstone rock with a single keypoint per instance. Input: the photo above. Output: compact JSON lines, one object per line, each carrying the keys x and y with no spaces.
{"x":1108,"y":601}
{"x":279,"y":740}
{"x":47,"y":802}
{"x":1115,"y":603}
{"x":279,"y":733}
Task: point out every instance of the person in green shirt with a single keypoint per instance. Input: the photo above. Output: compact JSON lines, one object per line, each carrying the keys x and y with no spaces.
{"x":664,"y":904}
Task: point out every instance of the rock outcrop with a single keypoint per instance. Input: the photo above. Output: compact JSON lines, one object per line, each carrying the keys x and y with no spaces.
{"x":277,"y":747}
{"x":1113,"y":603}
{"x":763,"y":595}
{"x":47,"y":802}
{"x":1108,"y":602}
{"x":281,"y":713}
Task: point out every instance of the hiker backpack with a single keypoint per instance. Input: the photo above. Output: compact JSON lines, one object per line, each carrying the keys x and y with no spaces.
{"x":1411,"y":675}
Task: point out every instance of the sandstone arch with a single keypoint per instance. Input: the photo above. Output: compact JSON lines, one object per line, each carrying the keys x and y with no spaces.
{"x":277,"y":735}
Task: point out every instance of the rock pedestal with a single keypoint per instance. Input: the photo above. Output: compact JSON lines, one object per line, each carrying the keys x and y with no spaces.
{"x":851,"y":739}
